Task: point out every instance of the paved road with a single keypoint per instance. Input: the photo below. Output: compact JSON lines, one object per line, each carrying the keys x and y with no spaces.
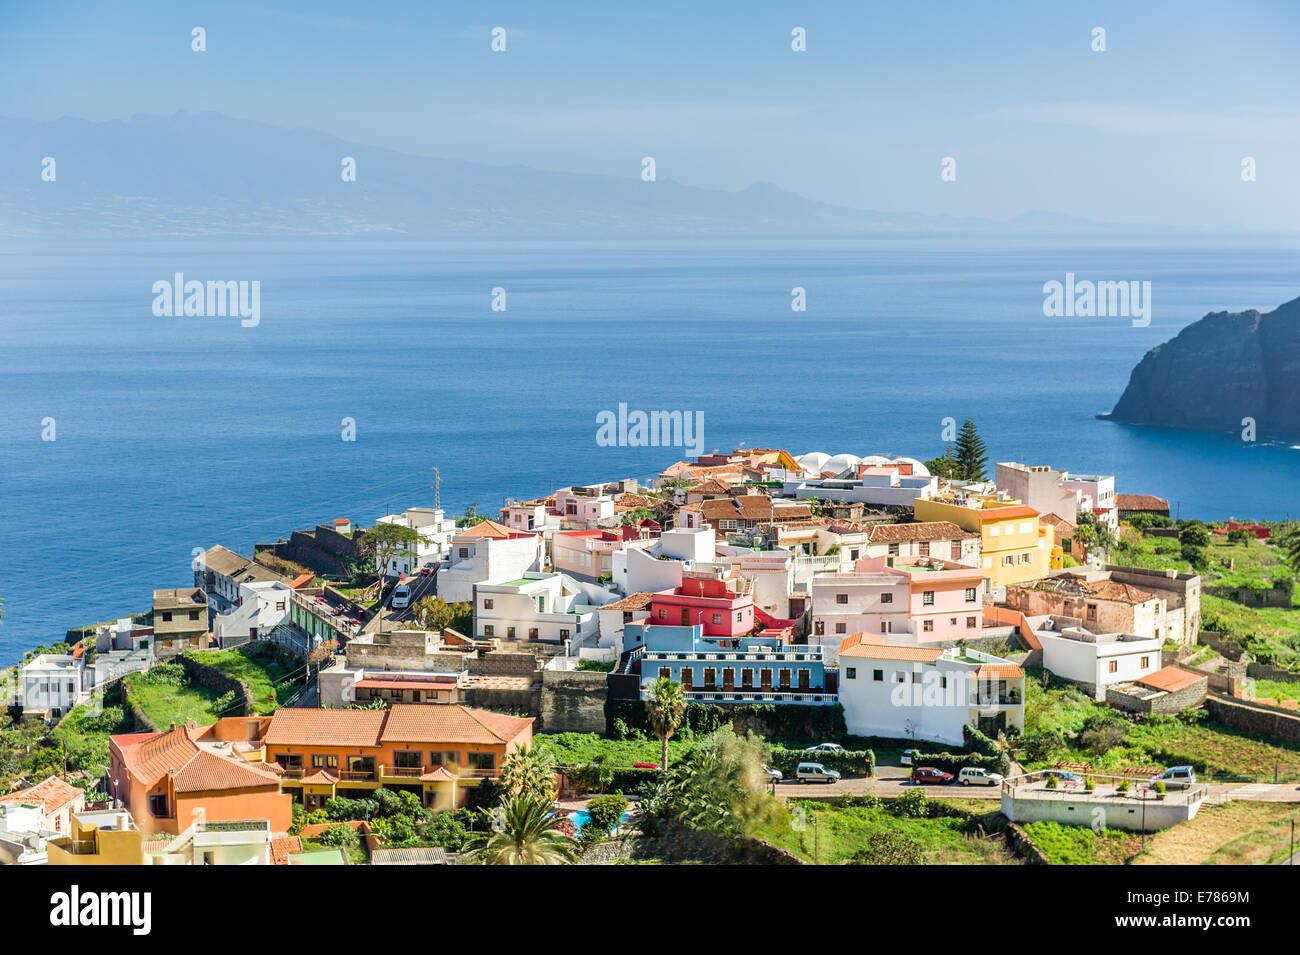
{"x":421,"y":587}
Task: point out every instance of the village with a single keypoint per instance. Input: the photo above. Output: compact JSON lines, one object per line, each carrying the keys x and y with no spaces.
{"x":753,"y":657}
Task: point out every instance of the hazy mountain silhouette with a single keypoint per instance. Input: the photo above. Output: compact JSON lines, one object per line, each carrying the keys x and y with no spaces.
{"x":208,"y":174}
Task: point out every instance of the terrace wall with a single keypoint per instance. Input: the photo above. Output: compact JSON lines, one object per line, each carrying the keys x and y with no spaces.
{"x":1255,"y":718}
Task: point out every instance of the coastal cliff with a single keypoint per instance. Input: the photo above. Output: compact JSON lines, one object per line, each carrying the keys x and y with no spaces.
{"x":1219,"y":370}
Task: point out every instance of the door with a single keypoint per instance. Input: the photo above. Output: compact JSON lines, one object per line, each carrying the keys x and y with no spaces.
{"x":803,"y":679}
{"x":729,"y":679}
{"x":767,"y":679}
{"x":686,"y":617}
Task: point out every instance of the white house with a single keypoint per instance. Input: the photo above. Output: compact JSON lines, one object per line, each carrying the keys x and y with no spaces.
{"x":927,"y":693}
{"x":52,"y":684}
{"x":537,"y":606}
{"x":584,"y":505}
{"x":1096,"y":660}
{"x":220,"y":573}
{"x":487,"y":551}
{"x":433,"y":525}
{"x":263,"y":606}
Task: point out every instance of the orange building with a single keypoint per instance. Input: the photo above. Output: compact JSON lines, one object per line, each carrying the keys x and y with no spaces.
{"x":435,"y":752}
{"x":164,"y":778}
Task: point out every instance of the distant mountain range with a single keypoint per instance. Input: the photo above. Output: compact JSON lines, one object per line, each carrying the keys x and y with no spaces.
{"x":1220,"y":371}
{"x":208,"y":174}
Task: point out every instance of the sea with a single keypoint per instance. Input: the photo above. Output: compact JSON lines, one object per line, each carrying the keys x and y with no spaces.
{"x":129,"y":439}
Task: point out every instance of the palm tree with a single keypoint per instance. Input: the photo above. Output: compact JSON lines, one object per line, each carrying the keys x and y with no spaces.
{"x":527,"y":836}
{"x":666,"y":706}
{"x":1291,"y":545}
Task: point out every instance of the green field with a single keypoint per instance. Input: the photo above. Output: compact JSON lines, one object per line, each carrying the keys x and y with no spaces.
{"x":261,"y":672}
{"x":1080,"y":845}
{"x":830,"y":834}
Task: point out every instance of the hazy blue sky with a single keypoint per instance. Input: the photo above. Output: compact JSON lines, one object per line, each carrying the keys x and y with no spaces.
{"x":1153,"y":130}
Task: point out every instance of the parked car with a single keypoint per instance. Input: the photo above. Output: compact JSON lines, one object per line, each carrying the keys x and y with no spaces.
{"x":426,"y":571}
{"x":401,"y":597}
{"x":1176,"y":777}
{"x":975,"y":776}
{"x":825,"y":748}
{"x":773,"y":775}
{"x":907,"y":757}
{"x":815,"y":772}
{"x":929,"y":776}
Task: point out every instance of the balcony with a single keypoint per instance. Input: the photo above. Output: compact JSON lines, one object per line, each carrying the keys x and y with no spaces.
{"x":356,"y":777}
{"x":405,"y":772}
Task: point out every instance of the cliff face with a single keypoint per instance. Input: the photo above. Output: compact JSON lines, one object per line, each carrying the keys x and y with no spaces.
{"x":1215,"y":372}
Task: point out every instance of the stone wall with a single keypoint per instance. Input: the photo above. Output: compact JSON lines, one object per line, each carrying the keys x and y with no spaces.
{"x":218,"y":682}
{"x":1255,"y":718}
{"x":573,"y":701}
{"x":1262,"y":671}
{"x":515,"y":702}
{"x":1223,"y":645}
{"x":1188,"y":697}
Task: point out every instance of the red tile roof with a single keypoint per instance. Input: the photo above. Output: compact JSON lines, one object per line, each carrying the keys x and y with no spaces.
{"x":1170,"y":679}
{"x":1141,"y":502}
{"x":873,"y":648}
{"x":294,"y":726}
{"x":208,"y":771}
{"x":403,"y":722}
{"x":280,"y":849}
{"x":51,"y":795}
{"x":637,"y":601}
{"x":923,"y":531}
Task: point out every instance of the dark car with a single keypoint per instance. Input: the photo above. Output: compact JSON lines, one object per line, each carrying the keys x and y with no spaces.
{"x":929,"y":776}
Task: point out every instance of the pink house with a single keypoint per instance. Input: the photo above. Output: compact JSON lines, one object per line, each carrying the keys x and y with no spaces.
{"x":909,"y":601}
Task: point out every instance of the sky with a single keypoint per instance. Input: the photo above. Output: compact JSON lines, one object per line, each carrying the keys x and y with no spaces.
{"x":1151,"y":131}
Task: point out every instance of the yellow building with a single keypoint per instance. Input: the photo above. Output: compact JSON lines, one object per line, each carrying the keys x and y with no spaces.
{"x":1014,"y":545}
{"x":105,"y":837}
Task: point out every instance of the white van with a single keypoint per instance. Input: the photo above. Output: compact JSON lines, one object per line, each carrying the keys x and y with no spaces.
{"x":1176,"y":777}
{"x":401,"y":597}
{"x":974,"y":776}
{"x":815,"y":772}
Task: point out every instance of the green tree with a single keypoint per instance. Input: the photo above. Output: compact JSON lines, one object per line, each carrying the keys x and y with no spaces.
{"x":972,"y":455}
{"x":339,"y":835}
{"x":944,"y":467}
{"x":1290,"y":544}
{"x":523,"y":833}
{"x":666,"y":708}
{"x":1195,"y":535}
{"x":386,"y":541}
{"x":1093,"y":534}
{"x":529,"y":771}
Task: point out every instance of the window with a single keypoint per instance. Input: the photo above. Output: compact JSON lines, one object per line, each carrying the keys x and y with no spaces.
{"x":483,"y":762}
{"x":564,"y":634}
{"x":952,"y":621}
{"x":878,"y":676}
{"x":194,"y":615}
{"x":406,"y":759}
{"x":927,"y":598}
{"x":993,"y":531}
{"x":464,"y":552}
{"x":487,"y":604}
{"x":819,"y":628}
{"x":717,"y":618}
{"x":665,"y":673}
{"x":841,"y":598}
{"x":850,"y":673}
{"x":158,"y":805}
{"x":1112,"y":667}
{"x":900,"y":676}
{"x":1026,"y":558}
{"x":893,"y":550}
{"x":970,"y":595}
{"x":886,"y":598}
{"x":447,"y":757}
{"x":923,"y":548}
{"x":927,"y":626}
{"x":1146,"y":662}
{"x":532,"y":633}
{"x":739,"y":616}
{"x":853,"y":554}
{"x":972,"y":622}
{"x":916,"y":678}
{"x":167,"y":616}
{"x":1009,"y":560}
{"x":841,"y":628}
{"x":489,"y":631}
{"x":663,"y":613}
{"x":324,"y":762}
{"x":1066,"y":544}
{"x":279,"y":605}
{"x":956,"y":550}
{"x":510,"y":633}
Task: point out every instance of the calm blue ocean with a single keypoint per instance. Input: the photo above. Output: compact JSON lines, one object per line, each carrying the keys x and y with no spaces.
{"x":176,"y":433}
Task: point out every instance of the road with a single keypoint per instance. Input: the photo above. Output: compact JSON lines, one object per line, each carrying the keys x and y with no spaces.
{"x":421,"y":587}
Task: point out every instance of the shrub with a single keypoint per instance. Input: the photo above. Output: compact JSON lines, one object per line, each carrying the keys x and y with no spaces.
{"x":1036,"y":747}
{"x":955,"y":762}
{"x":1103,"y":738}
{"x":1051,"y":782}
{"x":978,"y":742}
{"x":888,"y":847}
{"x":607,"y":811}
{"x":342,"y":809}
{"x":1121,"y":786}
{"x":911,"y":805}
{"x":339,"y":836}
{"x":447,"y":831}
{"x":854,"y":762}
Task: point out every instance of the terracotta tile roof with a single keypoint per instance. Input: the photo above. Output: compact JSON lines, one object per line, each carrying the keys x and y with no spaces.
{"x":688,"y":470}
{"x":437,"y":775}
{"x":208,"y":771}
{"x":51,"y":795}
{"x":870,"y":647}
{"x":1117,"y":591}
{"x":293,"y":726}
{"x":637,"y":601}
{"x":631,"y":502}
{"x":1170,"y":679}
{"x":302,"y":580}
{"x":923,"y":531}
{"x":432,"y":723}
{"x":489,"y":528}
{"x":280,"y":849}
{"x":322,"y":777}
{"x":999,"y":671}
{"x":1141,"y":502}
{"x":752,"y":507}
{"x":150,"y":759}
{"x":1058,"y":522}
